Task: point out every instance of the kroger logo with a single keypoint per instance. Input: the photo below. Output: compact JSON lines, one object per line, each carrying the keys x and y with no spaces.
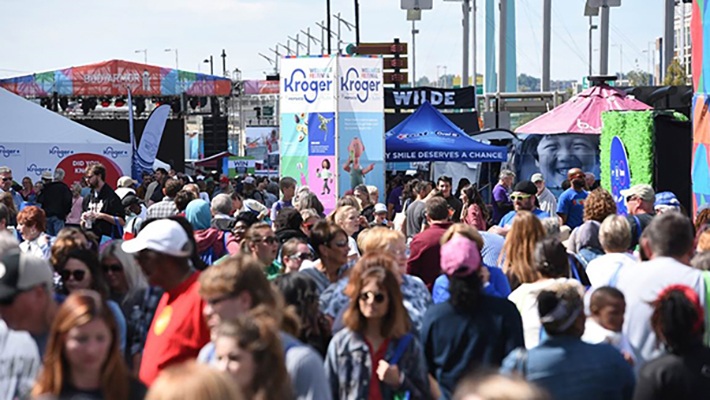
{"x":110,"y":151}
{"x":59,"y":152}
{"x":37,"y":170}
{"x":311,"y":88}
{"x":8,"y":152}
{"x":362,"y":87}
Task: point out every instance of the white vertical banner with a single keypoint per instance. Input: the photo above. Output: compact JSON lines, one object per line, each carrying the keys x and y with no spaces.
{"x":307,"y":123}
{"x":361,"y":123}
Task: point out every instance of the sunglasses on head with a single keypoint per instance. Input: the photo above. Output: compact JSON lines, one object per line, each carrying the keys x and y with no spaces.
{"x":77,"y":274}
{"x":113,"y":268}
{"x":301,"y":256}
{"x":268,"y":240}
{"x":376,"y":296}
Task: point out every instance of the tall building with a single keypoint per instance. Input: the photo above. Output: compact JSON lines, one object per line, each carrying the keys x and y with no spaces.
{"x":491,"y":37}
{"x":682,"y":42}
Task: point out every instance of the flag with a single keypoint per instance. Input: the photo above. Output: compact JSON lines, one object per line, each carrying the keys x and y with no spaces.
{"x":150,"y":140}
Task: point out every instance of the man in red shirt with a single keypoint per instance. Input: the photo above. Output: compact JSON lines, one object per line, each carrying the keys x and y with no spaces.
{"x":178,"y":331}
{"x":424,"y":250}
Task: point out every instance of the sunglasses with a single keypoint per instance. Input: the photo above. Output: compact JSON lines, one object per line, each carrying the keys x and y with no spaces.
{"x":301,"y":256}
{"x":520,"y":197}
{"x":268,"y":240}
{"x":77,"y":274}
{"x":341,"y":244}
{"x":6,"y":179}
{"x":115,"y":268}
{"x":376,"y":296}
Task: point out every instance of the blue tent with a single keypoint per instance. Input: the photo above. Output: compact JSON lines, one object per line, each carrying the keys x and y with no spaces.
{"x":427,"y":135}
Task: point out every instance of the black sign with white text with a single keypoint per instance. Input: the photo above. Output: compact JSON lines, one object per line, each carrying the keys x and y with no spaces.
{"x":438,"y":97}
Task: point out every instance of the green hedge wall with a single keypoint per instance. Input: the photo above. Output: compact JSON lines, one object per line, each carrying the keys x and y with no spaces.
{"x":635,"y":129}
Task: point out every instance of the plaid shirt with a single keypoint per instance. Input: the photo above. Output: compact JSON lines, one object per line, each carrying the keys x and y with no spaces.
{"x":163,"y":209}
{"x":140,"y":318}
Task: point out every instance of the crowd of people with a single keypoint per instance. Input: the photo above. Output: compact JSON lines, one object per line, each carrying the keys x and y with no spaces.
{"x":210,"y":287}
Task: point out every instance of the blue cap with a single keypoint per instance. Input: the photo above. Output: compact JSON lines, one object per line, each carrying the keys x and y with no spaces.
{"x":666,"y":199}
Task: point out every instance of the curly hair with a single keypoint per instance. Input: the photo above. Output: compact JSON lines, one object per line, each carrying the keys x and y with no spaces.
{"x":702,"y":218}
{"x":599,"y":205}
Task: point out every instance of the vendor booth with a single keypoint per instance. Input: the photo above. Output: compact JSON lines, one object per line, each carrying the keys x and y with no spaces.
{"x":34,"y":139}
{"x":568,"y":135}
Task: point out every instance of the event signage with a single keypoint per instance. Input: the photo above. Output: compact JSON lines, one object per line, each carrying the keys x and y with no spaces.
{"x":412,"y":98}
{"x":150,"y":140}
{"x":237,"y":166}
{"x":361,"y":123}
{"x":307,"y":123}
{"x":620,"y":176}
{"x":332,"y":124}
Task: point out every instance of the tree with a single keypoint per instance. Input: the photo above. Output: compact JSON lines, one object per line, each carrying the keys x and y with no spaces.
{"x":639,"y":78}
{"x":527,"y":83}
{"x":423,"y":81}
{"x":675,"y":75}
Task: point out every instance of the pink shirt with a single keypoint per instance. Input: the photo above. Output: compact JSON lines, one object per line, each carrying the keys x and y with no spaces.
{"x":74,"y":216}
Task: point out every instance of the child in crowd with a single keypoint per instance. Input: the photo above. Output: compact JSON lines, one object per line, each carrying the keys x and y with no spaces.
{"x":288,"y":189}
{"x":607,"y":307}
{"x":380,"y":216}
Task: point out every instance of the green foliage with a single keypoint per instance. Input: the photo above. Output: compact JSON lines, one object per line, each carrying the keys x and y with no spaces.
{"x":635,"y":129}
{"x":675,"y":75}
{"x":639,"y":78}
{"x":527,"y":83}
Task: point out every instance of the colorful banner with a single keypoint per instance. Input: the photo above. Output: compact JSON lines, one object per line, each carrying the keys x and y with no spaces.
{"x":307,"y":107}
{"x":112,"y":78}
{"x":260,"y":142}
{"x":361,"y":123}
{"x":700,"y":171}
{"x":620,"y":175}
{"x":150,"y":140}
{"x":32,"y":159}
{"x":238,"y":166}
{"x":260,"y":87}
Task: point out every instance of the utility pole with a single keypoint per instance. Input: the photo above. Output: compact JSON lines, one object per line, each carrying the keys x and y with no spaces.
{"x":357,"y":23}
{"x":414,"y":53}
{"x":224,"y":63}
{"x":330,"y":31}
{"x":310,"y":38}
{"x":210,"y":61}
{"x":669,"y":32}
{"x":604,"y":41}
{"x":546,"y":43}
{"x":475,"y":47}
{"x":503,"y":40}
{"x":466,"y":8}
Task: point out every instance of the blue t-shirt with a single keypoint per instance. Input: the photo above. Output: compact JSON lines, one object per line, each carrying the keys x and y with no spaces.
{"x":571,"y":204}
{"x":498,"y":286}
{"x":508,"y":218}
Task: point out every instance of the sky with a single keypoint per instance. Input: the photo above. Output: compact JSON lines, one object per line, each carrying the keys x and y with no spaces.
{"x":44,"y":35}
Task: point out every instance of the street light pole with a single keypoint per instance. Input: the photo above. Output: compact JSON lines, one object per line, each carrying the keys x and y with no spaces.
{"x":327,"y":3}
{"x":145,"y":55}
{"x":357,"y":23}
{"x":211,"y":65}
{"x":465,"y":7}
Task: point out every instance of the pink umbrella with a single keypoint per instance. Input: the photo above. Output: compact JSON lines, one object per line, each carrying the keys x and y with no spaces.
{"x":583,"y":112}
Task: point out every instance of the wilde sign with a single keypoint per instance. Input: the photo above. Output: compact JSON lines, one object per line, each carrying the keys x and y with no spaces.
{"x":412,"y":98}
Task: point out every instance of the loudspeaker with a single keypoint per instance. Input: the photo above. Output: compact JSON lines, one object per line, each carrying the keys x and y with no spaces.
{"x":214,"y":129}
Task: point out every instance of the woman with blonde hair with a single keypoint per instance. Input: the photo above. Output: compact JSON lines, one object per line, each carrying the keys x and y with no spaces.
{"x":376,"y":344}
{"x":517,"y":257}
{"x":494,"y":280}
{"x":190,"y":380}
{"x":83,"y":357}
{"x":7,"y":200}
{"x":348,"y":218}
{"x":74,"y":216}
{"x":382,"y":241}
{"x":248,"y":348}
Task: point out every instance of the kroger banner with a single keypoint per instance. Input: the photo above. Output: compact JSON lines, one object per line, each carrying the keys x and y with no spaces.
{"x":307,"y":140}
{"x":361,"y":123}
{"x":32,"y":159}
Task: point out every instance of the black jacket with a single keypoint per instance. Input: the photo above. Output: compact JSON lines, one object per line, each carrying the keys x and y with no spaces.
{"x":56,"y":200}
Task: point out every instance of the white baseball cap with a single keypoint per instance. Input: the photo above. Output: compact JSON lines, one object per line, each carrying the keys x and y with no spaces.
{"x":163,"y":236}
{"x":537,"y":177}
{"x":380,"y":208}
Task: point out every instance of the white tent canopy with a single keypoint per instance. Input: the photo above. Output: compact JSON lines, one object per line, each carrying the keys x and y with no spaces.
{"x":34,"y":139}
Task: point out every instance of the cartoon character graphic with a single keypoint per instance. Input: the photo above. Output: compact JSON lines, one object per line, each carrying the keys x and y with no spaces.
{"x":326,"y":174}
{"x":352,"y":165}
{"x":301,"y":126}
{"x":303,"y":176}
{"x":323,"y":125}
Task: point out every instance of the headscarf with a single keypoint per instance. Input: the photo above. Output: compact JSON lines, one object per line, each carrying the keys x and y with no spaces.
{"x":198,"y":214}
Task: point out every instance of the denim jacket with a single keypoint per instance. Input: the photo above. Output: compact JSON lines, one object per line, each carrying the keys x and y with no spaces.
{"x":348,"y":367}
